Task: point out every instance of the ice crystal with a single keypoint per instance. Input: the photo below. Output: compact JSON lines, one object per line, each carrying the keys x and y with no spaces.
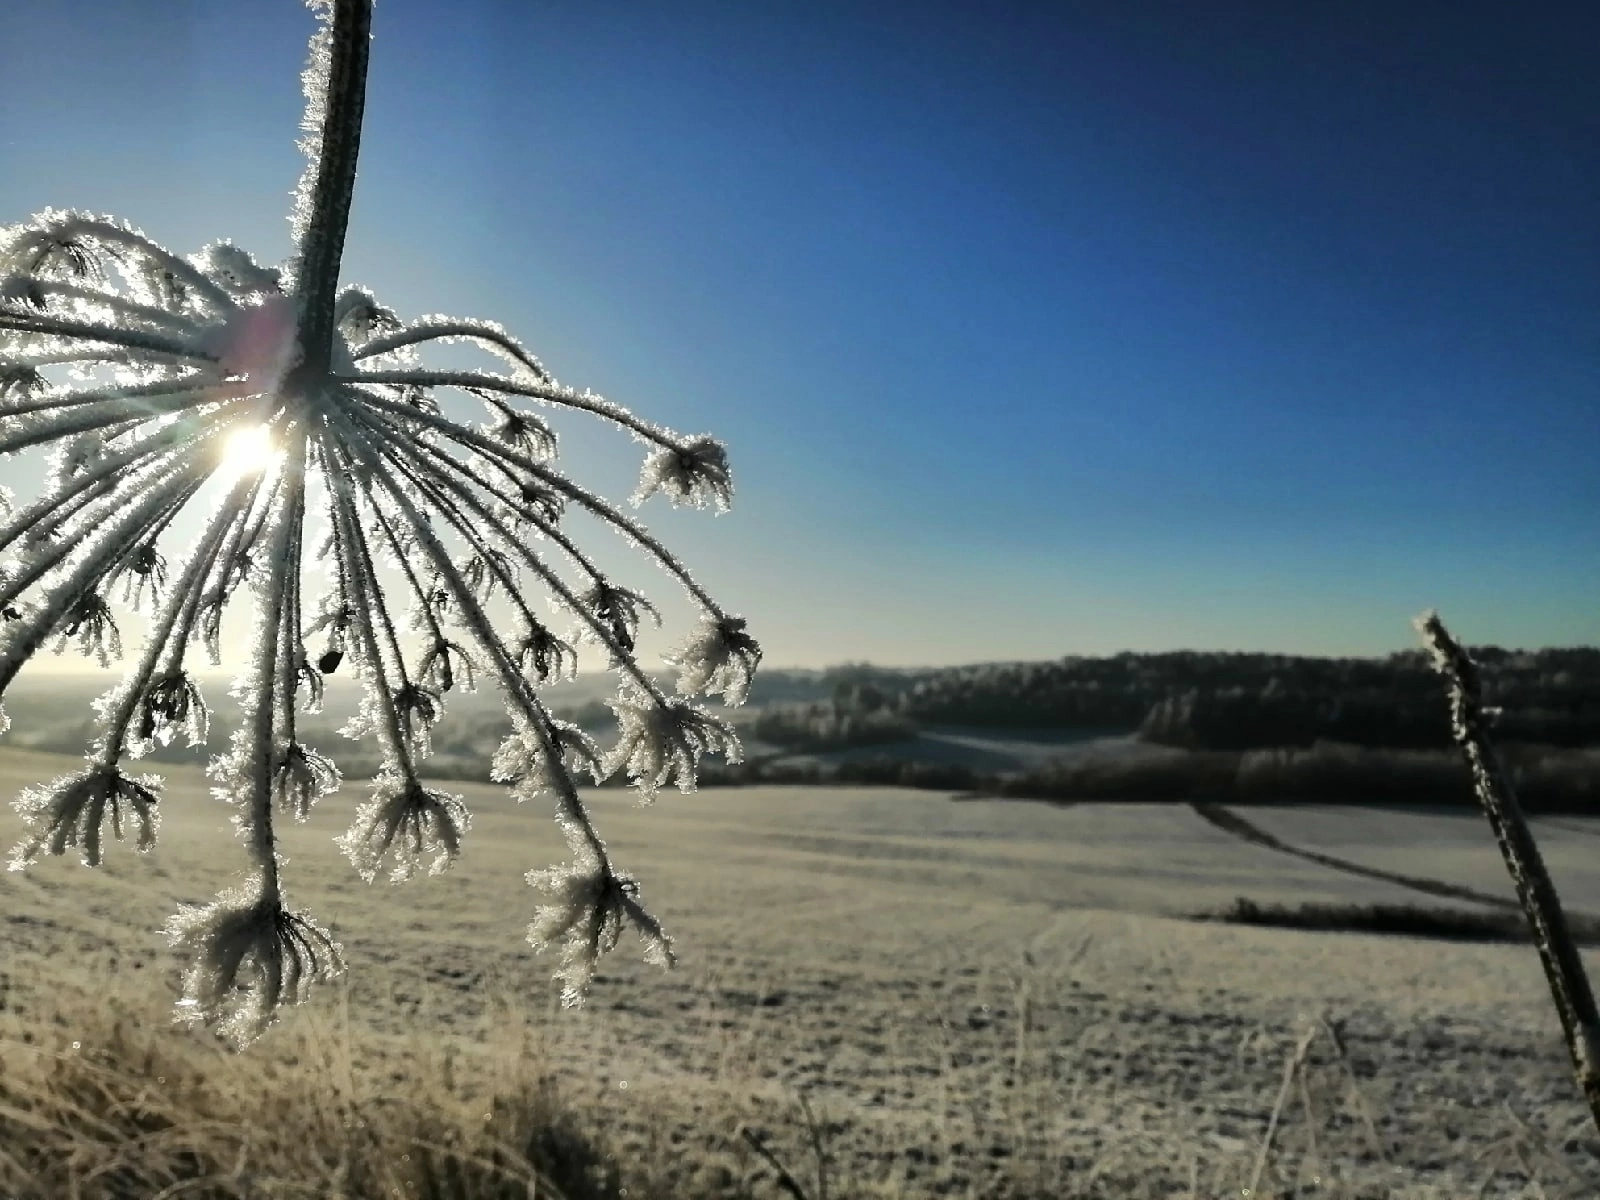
{"x":216,"y":428}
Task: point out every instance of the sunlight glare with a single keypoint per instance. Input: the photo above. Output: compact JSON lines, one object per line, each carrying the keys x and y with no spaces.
{"x":248,"y":451}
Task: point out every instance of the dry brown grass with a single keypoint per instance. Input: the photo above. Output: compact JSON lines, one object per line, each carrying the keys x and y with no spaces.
{"x":981,"y":1000}
{"x":95,"y":1104}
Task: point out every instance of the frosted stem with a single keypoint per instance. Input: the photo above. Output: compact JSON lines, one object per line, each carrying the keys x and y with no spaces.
{"x":333,"y":181}
{"x":1536,"y":891}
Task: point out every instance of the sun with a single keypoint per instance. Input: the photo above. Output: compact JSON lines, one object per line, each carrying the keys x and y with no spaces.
{"x":248,"y":451}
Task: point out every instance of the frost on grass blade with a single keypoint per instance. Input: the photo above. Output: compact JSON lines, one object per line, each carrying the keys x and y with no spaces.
{"x":361,"y":532}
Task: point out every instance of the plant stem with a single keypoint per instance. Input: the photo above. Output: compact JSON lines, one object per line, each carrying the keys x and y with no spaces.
{"x":1563,"y":966}
{"x":317,"y":276}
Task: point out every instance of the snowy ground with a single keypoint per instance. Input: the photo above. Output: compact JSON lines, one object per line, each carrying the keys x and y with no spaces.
{"x":970,"y":996}
{"x":986,"y":750}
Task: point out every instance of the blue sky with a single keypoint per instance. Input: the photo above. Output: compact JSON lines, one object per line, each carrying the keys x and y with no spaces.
{"x":1033,"y":329}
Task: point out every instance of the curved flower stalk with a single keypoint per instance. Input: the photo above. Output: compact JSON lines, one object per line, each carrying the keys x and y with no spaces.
{"x":199,"y":413}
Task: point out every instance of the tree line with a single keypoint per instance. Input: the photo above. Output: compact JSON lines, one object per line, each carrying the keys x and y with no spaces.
{"x":1236,"y":701}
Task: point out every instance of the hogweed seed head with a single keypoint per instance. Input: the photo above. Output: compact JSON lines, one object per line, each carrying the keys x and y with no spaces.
{"x":170,"y":704}
{"x":612,"y":616}
{"x":589,"y":905}
{"x":406,"y":822}
{"x":155,"y":383}
{"x":71,"y":812}
{"x":300,"y":777}
{"x":695,"y":473}
{"x":248,"y":956}
{"x":536,"y":763}
{"x":661,"y":741}
{"x":719,"y":657}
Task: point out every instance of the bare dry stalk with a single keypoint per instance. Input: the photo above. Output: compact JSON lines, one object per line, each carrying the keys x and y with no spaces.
{"x":1291,"y":1067}
{"x":1335,"y":1035}
{"x":1536,"y":892}
{"x":815,"y":1131}
{"x":1022,"y":1005}
{"x":785,"y":1180}
{"x":1311,"y":1121}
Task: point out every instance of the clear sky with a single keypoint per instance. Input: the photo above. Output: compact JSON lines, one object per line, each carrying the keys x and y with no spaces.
{"x":1033,"y":329}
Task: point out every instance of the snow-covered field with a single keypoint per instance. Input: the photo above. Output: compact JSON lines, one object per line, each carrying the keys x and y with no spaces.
{"x":985,"y":750}
{"x":973,"y":997}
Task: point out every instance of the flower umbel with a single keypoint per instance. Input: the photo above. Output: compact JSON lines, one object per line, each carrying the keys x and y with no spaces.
{"x":215,"y":429}
{"x":662,"y":742}
{"x":71,"y":811}
{"x":300,"y":778}
{"x":589,"y":905}
{"x":248,"y":955}
{"x":720,"y":657}
{"x":171,"y":703}
{"x":534,"y":763}
{"x":409,"y":822}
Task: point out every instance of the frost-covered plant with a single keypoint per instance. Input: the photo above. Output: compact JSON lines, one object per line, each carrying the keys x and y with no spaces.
{"x":1470,"y":721}
{"x":302,"y":413}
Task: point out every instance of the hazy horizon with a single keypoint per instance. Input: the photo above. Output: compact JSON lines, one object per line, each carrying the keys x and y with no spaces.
{"x":71,"y":668}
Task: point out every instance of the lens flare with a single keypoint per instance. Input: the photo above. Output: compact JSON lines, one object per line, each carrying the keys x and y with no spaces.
{"x":248,"y":451}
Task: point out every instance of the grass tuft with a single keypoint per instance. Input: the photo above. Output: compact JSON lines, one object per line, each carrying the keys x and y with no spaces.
{"x":99,"y":1106}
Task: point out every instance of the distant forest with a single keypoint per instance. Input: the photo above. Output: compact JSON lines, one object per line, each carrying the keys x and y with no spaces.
{"x":1256,"y":728}
{"x":1209,"y":701}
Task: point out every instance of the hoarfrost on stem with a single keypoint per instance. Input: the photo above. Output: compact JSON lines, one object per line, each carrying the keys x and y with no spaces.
{"x":146,"y":376}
